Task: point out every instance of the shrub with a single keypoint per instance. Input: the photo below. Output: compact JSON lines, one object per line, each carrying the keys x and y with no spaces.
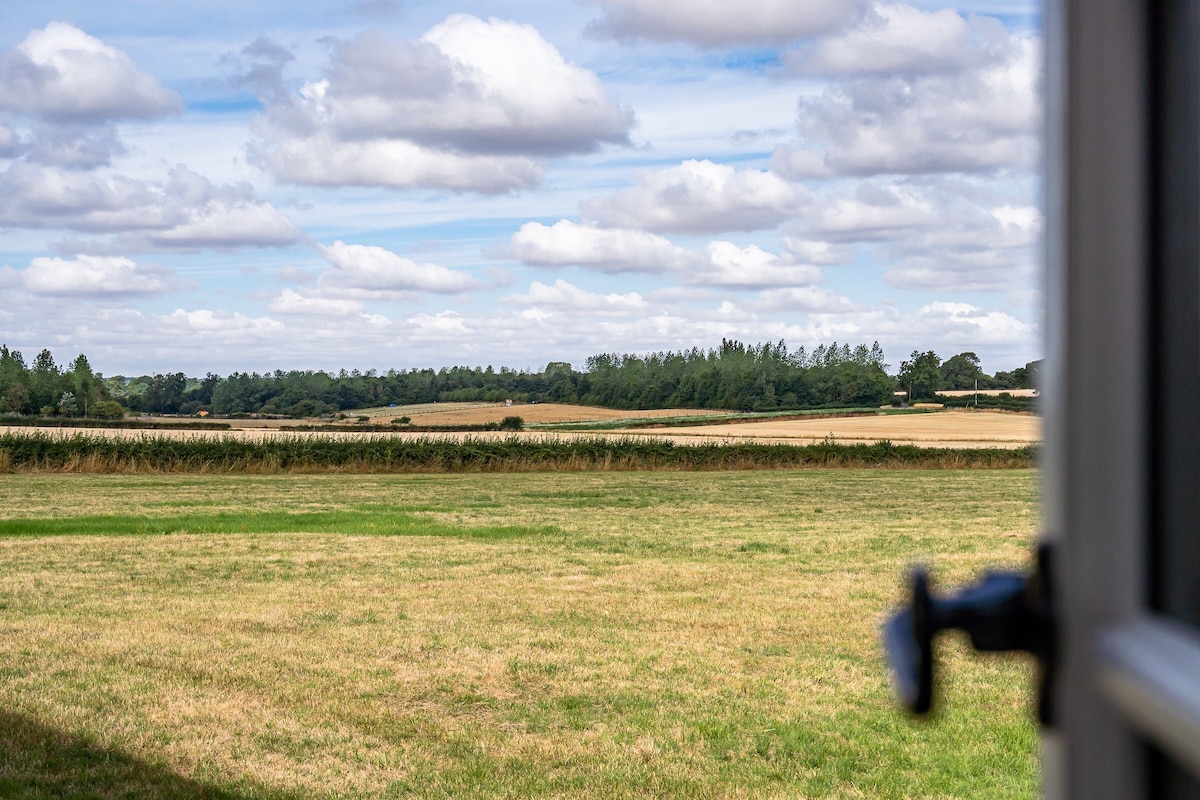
{"x":108,"y":409}
{"x":512,"y":423}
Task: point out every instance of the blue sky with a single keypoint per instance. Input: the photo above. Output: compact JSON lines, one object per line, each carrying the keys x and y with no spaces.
{"x":228,"y":186}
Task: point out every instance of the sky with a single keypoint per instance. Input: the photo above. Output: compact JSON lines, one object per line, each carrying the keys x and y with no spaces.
{"x":241,"y":185}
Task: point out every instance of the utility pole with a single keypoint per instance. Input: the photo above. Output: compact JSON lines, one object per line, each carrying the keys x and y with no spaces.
{"x":977,"y":393}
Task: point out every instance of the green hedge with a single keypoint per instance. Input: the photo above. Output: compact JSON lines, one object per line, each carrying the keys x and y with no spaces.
{"x":147,"y":453}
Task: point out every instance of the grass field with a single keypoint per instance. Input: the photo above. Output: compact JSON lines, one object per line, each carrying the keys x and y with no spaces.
{"x":595,"y":635}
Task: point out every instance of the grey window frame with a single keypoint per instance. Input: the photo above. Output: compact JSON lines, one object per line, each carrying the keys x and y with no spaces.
{"x":1129,"y":677}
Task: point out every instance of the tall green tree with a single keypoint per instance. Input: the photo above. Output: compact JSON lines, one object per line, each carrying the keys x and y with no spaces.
{"x":45,"y":383}
{"x":962,"y":371}
{"x":87,"y":387}
{"x":921,"y":374}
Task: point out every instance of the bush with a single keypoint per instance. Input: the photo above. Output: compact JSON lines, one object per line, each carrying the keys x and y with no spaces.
{"x":512,"y":423}
{"x":107,"y":409}
{"x":402,"y":420}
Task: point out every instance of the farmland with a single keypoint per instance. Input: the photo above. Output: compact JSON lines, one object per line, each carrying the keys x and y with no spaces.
{"x":951,"y":429}
{"x":496,"y":635}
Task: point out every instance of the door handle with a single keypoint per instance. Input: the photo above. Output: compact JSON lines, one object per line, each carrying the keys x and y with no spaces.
{"x":1003,"y":611}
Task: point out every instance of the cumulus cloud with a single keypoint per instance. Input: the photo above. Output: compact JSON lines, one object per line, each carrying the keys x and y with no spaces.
{"x":322,"y":159}
{"x":470,"y":106}
{"x":978,"y":248}
{"x":564,"y":296}
{"x":715,"y":23}
{"x":804,"y":298}
{"x":750,"y":267}
{"x":939,"y":235}
{"x":616,"y":250}
{"x":75,"y":146}
{"x":369,"y":272}
{"x":958,"y":108}
{"x":898,"y":38}
{"x":186,"y":212}
{"x":10,"y":142}
{"x":89,"y":276}
{"x":963,"y":324}
{"x":62,"y":74}
{"x":872,"y":212}
{"x":567,"y":243}
{"x":699,"y":197}
{"x":295,"y":303}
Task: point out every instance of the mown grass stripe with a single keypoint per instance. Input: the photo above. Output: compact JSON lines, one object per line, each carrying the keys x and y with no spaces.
{"x":252,"y":522}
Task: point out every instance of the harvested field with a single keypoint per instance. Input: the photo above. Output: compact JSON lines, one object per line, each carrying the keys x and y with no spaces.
{"x":935,"y":429}
{"x":955,"y":429}
{"x":480,"y":413}
{"x":990,"y":392}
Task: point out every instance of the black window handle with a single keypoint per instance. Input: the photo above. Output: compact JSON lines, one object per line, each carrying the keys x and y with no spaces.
{"x":1004,"y":611}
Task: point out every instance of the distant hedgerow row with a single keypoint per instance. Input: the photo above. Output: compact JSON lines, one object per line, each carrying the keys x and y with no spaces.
{"x":14,"y":421}
{"x":96,"y":453}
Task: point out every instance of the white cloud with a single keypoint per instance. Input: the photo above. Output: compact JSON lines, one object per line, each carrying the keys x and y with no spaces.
{"x":975,"y":249}
{"x":369,"y":272}
{"x":186,"y":212}
{"x":750,"y":267}
{"x":567,"y":297}
{"x":569,"y":243}
{"x":898,"y":38}
{"x":966,"y":325}
{"x":90,"y":276}
{"x":802,"y":250}
{"x":61,"y":73}
{"x":292,"y":302}
{"x":699,"y":197}
{"x":717,"y":23}
{"x":979,"y":118}
{"x":10,"y":142}
{"x":806,"y":299}
{"x":321,"y":159}
{"x":872,"y":212}
{"x":470,"y":107}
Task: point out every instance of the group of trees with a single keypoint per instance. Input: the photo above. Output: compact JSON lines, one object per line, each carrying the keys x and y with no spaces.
{"x":45,"y":388}
{"x":923,"y":375}
{"x":734,"y":376}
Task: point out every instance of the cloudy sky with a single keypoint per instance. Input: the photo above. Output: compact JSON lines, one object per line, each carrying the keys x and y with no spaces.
{"x":250,"y":185}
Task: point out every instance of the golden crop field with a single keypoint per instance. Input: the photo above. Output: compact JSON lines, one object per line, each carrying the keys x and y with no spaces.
{"x":934,"y":429}
{"x":480,"y":413}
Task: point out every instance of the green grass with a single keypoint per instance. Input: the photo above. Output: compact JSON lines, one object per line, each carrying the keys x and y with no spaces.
{"x":594,"y":635}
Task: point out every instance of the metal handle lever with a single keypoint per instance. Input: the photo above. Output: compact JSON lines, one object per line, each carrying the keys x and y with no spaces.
{"x":1004,"y":611}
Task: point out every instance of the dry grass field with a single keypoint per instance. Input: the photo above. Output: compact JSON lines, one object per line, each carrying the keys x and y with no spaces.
{"x":636,"y":635}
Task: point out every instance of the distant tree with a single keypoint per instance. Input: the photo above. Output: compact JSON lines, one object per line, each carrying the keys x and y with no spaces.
{"x":68,"y":404}
{"x":85,"y":385}
{"x":921,"y":374}
{"x":45,"y":382}
{"x":961,"y":372}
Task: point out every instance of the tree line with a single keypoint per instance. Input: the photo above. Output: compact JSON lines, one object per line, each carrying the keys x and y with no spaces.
{"x":763,"y":377}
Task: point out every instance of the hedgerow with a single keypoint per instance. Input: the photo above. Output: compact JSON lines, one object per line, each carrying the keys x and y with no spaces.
{"x":155,"y":453}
